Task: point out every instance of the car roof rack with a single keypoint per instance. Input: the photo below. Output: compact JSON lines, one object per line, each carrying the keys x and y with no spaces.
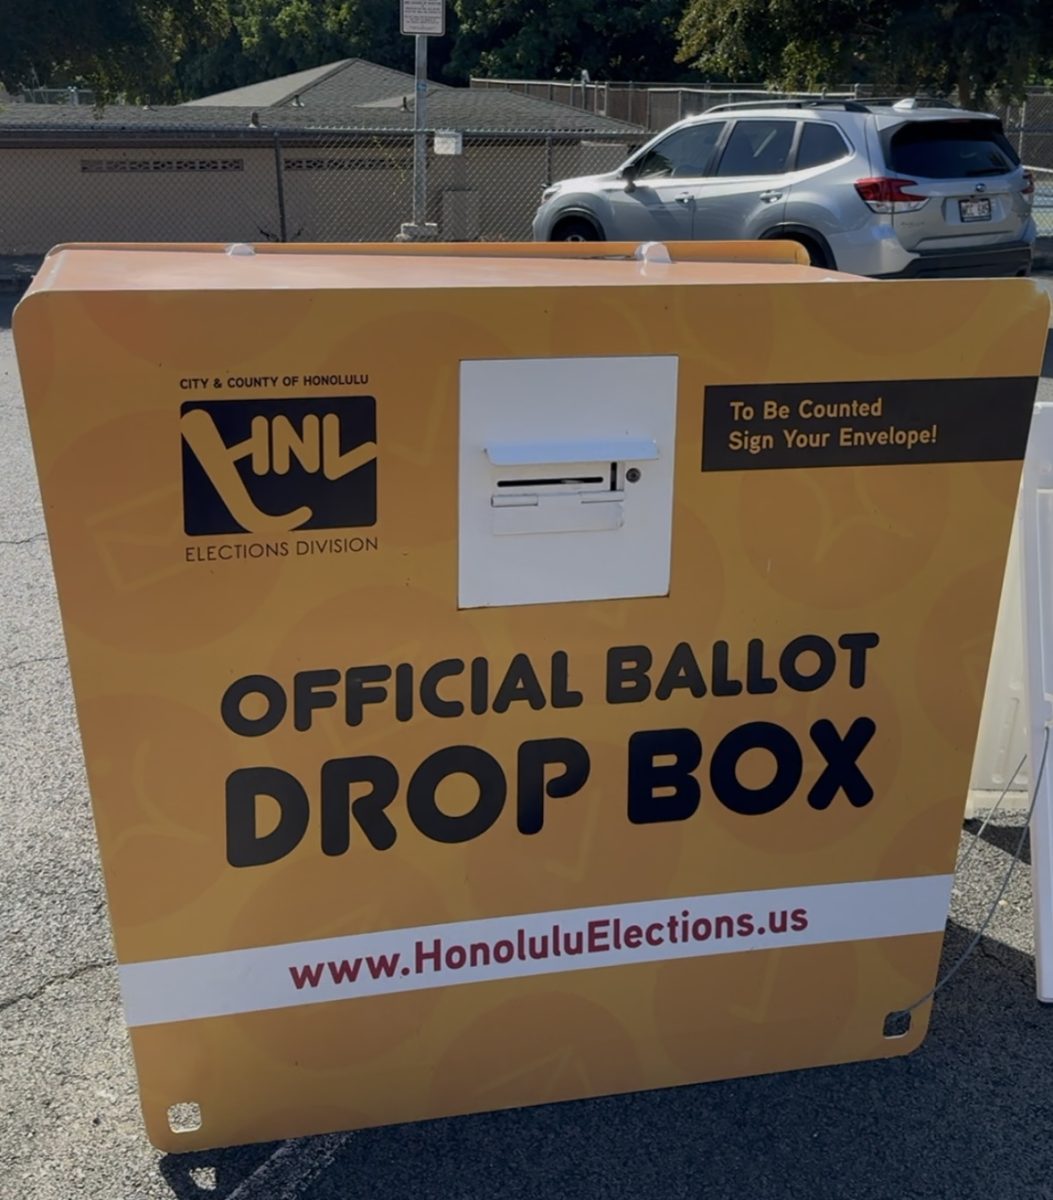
{"x":845,"y":105}
{"x":908,"y":102}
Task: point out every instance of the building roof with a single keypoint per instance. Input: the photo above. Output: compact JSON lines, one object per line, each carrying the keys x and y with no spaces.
{"x":350,"y":81}
{"x":448,"y":108}
{"x":355,"y":82}
{"x":350,"y":94}
{"x":270,"y":91}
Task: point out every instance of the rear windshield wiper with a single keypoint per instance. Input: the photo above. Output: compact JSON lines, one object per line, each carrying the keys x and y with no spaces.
{"x":988,"y":171}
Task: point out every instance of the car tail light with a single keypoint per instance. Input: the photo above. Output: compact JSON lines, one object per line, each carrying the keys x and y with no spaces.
{"x":889,"y":195}
{"x":1029,"y":184}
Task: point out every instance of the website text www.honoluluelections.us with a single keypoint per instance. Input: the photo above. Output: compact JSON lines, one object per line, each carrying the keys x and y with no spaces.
{"x":437,"y":955}
{"x":452,"y":953}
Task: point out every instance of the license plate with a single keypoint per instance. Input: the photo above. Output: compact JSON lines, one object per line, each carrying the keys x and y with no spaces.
{"x":975,"y":210}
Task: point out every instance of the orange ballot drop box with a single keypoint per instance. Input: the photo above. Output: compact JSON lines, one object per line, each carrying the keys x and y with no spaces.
{"x":509,"y":674}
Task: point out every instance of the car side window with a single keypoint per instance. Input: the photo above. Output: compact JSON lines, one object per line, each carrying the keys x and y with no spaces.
{"x":820,"y":144}
{"x":687,"y":153}
{"x":757,"y":148}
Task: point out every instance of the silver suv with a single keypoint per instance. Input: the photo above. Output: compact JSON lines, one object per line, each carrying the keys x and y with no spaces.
{"x":876,"y":188}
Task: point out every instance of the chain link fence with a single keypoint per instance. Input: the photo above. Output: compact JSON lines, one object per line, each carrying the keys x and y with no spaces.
{"x":658,"y":105}
{"x":1030,"y":126}
{"x":653,"y":105}
{"x":184,"y":183}
{"x":345,"y":185}
{"x":1043,"y":204}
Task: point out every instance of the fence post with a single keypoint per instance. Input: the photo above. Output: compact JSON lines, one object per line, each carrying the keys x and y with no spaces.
{"x":548,"y":160}
{"x":420,"y":136}
{"x":279,"y":179}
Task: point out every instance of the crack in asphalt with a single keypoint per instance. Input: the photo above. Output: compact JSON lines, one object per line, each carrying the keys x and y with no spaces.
{"x":36,"y":537}
{"x":28,"y":662}
{"x":85,"y":969}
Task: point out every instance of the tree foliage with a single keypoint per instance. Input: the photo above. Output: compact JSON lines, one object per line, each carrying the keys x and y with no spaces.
{"x":267,"y":38}
{"x":177,"y":49}
{"x":612,"y":39}
{"x":976,"y":48}
{"x":618,"y":39}
{"x":117,"y":46}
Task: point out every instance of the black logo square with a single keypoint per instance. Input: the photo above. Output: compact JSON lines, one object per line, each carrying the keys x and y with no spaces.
{"x":273,"y":466}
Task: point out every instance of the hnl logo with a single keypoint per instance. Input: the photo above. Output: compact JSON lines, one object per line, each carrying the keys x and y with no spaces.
{"x":272,"y":466}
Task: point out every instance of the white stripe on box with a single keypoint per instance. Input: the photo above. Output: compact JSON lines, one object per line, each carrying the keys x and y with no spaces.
{"x":252,"y":980}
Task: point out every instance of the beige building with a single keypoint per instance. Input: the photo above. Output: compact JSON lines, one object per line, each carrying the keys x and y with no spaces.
{"x":322,"y":155}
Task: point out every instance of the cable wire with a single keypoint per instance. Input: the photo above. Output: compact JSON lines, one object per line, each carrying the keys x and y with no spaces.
{"x":987,"y":820}
{"x":975,"y":941}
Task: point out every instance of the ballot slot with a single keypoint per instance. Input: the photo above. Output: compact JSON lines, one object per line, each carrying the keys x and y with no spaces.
{"x":564,"y":479}
{"x":553,"y":453}
{"x":557,"y":503}
{"x":553,"y":486}
{"x":531,"y":489}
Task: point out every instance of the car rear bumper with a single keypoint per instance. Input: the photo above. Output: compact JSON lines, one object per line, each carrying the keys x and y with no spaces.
{"x":1011,"y":259}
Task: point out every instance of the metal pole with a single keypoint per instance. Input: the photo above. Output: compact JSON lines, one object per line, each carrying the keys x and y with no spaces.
{"x":1035,"y":517}
{"x":420,"y":136}
{"x":279,"y":170}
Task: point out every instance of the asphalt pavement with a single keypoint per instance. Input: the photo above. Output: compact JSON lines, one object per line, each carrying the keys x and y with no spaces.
{"x":968,"y":1115}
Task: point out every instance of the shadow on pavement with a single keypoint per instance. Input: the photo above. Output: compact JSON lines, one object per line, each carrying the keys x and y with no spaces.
{"x":1047,"y":361}
{"x":7,"y":307}
{"x":963,"y":1117}
{"x":1002,"y":837}
{"x":213,"y":1173}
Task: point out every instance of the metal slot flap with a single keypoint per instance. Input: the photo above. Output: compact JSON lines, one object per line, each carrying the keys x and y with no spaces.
{"x":525,"y":454}
{"x":559,"y":514}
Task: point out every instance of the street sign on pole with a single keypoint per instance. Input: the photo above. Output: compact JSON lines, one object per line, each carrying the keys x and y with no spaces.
{"x":424,"y":18}
{"x":420,"y":136}
{"x":421,"y":19}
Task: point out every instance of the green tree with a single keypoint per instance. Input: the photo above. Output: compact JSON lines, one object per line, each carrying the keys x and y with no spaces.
{"x":267,"y":38}
{"x":115,"y":46}
{"x":294,"y":34}
{"x":974,"y":48}
{"x":616,"y":39}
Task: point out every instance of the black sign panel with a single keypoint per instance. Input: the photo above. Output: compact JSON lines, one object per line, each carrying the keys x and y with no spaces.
{"x":271,"y":466}
{"x":757,"y":427}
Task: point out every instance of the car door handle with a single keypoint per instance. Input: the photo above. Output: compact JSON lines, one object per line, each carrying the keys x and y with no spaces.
{"x":768,"y":197}
{"x":683,"y":198}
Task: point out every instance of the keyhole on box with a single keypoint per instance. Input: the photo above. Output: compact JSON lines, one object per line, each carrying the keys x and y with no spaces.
{"x":632,"y":475}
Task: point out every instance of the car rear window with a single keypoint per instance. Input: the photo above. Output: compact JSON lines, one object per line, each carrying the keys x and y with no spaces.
{"x":949,"y":149}
{"x":820,"y":144}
